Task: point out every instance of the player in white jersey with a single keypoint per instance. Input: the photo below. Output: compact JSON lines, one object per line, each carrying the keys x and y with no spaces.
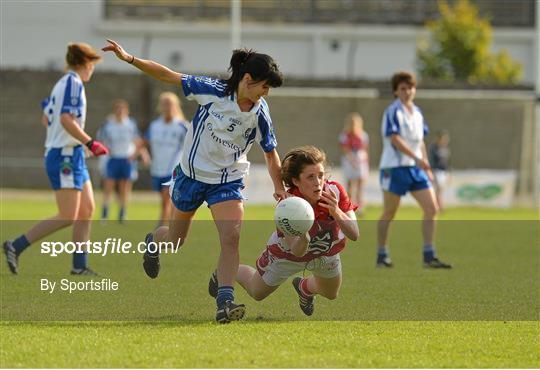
{"x":405,"y":168}
{"x":165,"y":136}
{"x":65,"y":113}
{"x":318,"y":250}
{"x":121,"y":135}
{"x":231,"y":116}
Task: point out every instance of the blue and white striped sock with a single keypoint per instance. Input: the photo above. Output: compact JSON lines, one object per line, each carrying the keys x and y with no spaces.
{"x":122,"y":214}
{"x":80,"y":260}
{"x":225,"y":293}
{"x":382,"y":253}
{"x":429,"y":252}
{"x":105,"y":212}
{"x":21,"y":243}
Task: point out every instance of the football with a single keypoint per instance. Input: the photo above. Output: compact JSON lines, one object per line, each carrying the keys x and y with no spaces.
{"x":294,"y":216}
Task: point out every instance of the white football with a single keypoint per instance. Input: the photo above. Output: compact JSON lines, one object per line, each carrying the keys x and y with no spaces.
{"x":294,"y":216}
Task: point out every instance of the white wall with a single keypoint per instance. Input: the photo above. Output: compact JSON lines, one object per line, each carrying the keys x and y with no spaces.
{"x":34,"y":35}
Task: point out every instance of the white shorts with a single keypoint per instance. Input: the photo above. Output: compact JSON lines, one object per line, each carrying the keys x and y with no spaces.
{"x":352,"y":173}
{"x":275,"y":271}
{"x":441,"y":178}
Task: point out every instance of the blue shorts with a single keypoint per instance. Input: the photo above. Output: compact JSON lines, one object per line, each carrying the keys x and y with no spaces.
{"x":187,"y":194}
{"x":400,"y":180}
{"x":157,"y":182}
{"x":120,"y":169}
{"x":66,"y":168}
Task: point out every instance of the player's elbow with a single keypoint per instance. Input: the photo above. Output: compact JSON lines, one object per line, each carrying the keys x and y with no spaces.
{"x":354,"y":233}
{"x":66,"y":119}
{"x":394,"y":139}
{"x":170,"y":77}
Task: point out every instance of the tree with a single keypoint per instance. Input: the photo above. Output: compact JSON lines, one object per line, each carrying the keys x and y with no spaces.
{"x":459,"y":49}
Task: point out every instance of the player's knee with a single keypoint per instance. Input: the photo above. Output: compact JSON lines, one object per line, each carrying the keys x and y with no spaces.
{"x":67,"y":216}
{"x":86,"y":212}
{"x":230,"y":240}
{"x":259,"y":296}
{"x":387,"y":216}
{"x":66,"y":220}
{"x":431,"y":212}
{"x":332,"y":295}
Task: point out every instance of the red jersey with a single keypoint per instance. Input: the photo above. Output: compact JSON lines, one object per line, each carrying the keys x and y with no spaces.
{"x":354,"y":142}
{"x":327,"y":239}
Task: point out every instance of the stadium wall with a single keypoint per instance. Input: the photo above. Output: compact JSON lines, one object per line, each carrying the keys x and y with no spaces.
{"x":341,"y":50}
{"x":489,"y":129}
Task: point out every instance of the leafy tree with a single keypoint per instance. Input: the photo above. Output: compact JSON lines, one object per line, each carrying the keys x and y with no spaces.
{"x":459,"y":49}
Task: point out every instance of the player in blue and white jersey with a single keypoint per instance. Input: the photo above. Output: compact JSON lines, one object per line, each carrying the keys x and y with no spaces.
{"x":231,"y":116}
{"x":405,"y":168}
{"x":121,"y":135}
{"x":165,"y":136}
{"x":65,"y":115}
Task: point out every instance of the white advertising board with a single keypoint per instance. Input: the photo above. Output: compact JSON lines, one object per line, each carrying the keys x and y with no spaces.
{"x":486,"y":188}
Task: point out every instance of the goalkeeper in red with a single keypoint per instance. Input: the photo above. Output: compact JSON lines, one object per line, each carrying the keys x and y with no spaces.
{"x":303,"y":172}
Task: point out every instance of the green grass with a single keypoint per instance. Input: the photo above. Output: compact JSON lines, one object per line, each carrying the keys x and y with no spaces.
{"x":273,"y":344}
{"x":483,"y":313}
{"x":36,"y":205}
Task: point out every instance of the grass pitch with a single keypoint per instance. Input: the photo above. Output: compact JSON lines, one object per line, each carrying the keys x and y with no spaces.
{"x":483,"y":313}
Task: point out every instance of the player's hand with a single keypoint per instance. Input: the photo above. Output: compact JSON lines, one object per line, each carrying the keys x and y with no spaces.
{"x":146,"y":160}
{"x":97,"y":148}
{"x":118,"y":50}
{"x":306,"y":238}
{"x":281,"y":194}
{"x":422,"y":163}
{"x":329,"y":201}
{"x":430,"y":175}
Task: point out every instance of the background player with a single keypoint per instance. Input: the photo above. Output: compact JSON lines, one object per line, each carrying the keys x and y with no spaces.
{"x":165,"y":136}
{"x":355,"y":159}
{"x":303,"y":171}
{"x":405,"y":168}
{"x":439,"y":159}
{"x":121,"y":135}
{"x":232,"y":114}
{"x":65,"y":113}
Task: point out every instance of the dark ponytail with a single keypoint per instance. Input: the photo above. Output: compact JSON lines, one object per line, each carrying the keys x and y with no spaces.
{"x":261,"y":67}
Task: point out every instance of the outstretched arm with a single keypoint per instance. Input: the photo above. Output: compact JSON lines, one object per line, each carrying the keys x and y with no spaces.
{"x":273,"y":163}
{"x":151,"y":68}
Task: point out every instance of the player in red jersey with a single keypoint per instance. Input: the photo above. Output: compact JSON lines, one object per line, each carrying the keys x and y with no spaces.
{"x":303,"y":172}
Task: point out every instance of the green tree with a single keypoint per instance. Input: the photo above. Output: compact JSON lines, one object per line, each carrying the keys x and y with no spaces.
{"x":459,"y":49}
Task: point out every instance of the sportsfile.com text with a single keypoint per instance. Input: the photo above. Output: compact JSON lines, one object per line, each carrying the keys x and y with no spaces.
{"x":109,"y":246}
